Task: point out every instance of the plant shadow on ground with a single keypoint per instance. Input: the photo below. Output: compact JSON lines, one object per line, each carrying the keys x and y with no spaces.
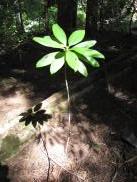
{"x":35,"y":116}
{"x":4,"y":173}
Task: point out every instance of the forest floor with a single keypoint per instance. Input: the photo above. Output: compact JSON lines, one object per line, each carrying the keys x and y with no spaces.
{"x":104,"y":127}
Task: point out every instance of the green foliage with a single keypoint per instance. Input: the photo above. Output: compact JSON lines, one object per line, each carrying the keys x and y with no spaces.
{"x":33,"y":9}
{"x":59,"y":34}
{"x":69,"y":55}
{"x":81,"y":17}
{"x":48,"y":41}
{"x":76,"y":37}
{"x":72,"y":60}
{"x":46,"y":60}
{"x":87,"y":44}
{"x":57,"y":63}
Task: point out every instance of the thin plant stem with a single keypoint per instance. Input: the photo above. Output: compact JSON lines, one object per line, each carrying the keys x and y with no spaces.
{"x":68,"y":102}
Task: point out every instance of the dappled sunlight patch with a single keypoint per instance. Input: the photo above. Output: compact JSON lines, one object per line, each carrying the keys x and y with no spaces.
{"x":12,"y":102}
{"x":31,"y":164}
{"x":57,"y":153}
{"x":10,"y":108}
{"x":15,"y":98}
{"x":9,"y":87}
{"x":50,"y":146}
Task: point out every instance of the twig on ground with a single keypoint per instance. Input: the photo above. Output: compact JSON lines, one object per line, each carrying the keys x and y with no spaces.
{"x":115,"y":175}
{"x":121,"y":165}
{"x":72,"y":173}
{"x":44,"y":144}
{"x":130,"y":160}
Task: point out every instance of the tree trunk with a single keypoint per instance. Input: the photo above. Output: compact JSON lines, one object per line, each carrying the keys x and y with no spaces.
{"x":91,"y":17}
{"x":67,"y":14}
{"x":46,"y":22}
{"x":18,"y":15}
{"x":101,"y":15}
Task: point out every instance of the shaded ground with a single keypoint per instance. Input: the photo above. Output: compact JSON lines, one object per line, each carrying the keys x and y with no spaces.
{"x":96,"y":150}
{"x":102,"y":121}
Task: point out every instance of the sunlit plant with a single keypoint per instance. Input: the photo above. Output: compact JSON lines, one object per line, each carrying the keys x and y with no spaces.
{"x":72,"y":53}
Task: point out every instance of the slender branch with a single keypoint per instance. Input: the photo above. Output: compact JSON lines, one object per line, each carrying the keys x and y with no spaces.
{"x":68,"y":100}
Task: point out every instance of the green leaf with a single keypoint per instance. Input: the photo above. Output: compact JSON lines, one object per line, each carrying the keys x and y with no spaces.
{"x":86,"y":44}
{"x":48,"y":42}
{"x":93,"y":62}
{"x":97,"y":54}
{"x":57,"y":63}
{"x":74,"y":63}
{"x":81,"y":50}
{"x":72,"y":60}
{"x":88,"y":52}
{"x":76,"y":37}
{"x":89,"y":59}
{"x":82,"y":69}
{"x":59,"y":33}
{"x":46,"y":60}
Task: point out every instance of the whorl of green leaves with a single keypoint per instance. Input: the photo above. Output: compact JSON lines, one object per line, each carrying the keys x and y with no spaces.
{"x":72,"y":51}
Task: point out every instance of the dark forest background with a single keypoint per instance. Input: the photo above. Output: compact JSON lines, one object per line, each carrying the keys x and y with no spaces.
{"x":20,"y":20}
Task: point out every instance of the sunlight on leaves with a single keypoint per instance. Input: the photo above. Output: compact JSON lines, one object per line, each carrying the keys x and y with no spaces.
{"x":72,"y":54}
